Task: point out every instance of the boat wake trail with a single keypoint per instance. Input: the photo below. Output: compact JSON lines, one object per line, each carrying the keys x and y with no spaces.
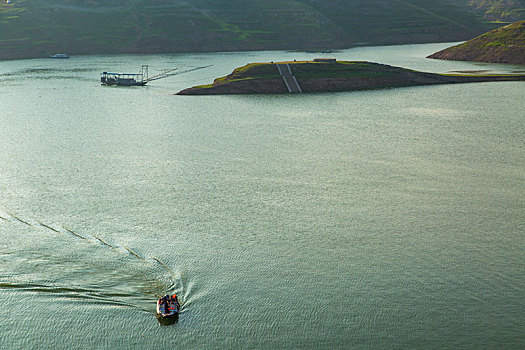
{"x":88,"y":295}
{"x":57,"y":261}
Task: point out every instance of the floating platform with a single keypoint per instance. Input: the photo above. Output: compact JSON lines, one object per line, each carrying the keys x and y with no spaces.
{"x":139,"y":79}
{"x":125,"y":79}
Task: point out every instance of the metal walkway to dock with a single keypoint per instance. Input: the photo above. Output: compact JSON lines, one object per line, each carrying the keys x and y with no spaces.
{"x":289,"y":79}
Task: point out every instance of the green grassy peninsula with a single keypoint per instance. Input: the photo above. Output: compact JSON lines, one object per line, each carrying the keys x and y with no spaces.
{"x":502,"y":45}
{"x":265,"y":78}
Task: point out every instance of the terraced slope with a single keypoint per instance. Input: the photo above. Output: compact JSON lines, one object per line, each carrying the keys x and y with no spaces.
{"x":36,"y":28}
{"x":502,"y":45}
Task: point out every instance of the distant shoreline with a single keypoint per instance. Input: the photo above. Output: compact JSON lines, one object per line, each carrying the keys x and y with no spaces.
{"x":321,"y":52}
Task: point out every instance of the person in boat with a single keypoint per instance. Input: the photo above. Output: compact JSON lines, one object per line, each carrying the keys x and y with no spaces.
{"x":170,"y":303}
{"x":164,"y":301}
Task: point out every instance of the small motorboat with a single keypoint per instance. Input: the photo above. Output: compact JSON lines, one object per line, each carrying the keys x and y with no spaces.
{"x":59,"y":55}
{"x":168,"y":308}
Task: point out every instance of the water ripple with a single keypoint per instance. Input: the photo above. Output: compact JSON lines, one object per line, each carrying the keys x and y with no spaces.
{"x":120,"y":276}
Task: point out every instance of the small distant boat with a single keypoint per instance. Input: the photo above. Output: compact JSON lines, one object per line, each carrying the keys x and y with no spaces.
{"x":168,"y":308}
{"x":59,"y":55}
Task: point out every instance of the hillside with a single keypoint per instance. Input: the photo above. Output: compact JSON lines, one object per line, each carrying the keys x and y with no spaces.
{"x":265,"y":78}
{"x":502,"y":45}
{"x":499,"y":10}
{"x":36,"y":28}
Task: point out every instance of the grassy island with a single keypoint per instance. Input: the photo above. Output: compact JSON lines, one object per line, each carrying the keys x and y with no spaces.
{"x":502,"y":45}
{"x":265,"y":78}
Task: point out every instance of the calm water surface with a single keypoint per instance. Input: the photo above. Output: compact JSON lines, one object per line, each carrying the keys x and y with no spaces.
{"x":378,"y":219}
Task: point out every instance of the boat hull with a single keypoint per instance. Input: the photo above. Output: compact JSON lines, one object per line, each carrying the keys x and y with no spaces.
{"x":168,"y":313}
{"x":121,"y":82}
{"x":59,"y":56}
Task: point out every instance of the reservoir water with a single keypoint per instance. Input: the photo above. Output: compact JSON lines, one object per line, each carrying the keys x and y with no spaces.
{"x":377,"y":219}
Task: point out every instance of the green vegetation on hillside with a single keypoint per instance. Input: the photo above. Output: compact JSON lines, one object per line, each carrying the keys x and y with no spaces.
{"x":502,"y":45}
{"x":500,"y":10}
{"x":35,"y":28}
